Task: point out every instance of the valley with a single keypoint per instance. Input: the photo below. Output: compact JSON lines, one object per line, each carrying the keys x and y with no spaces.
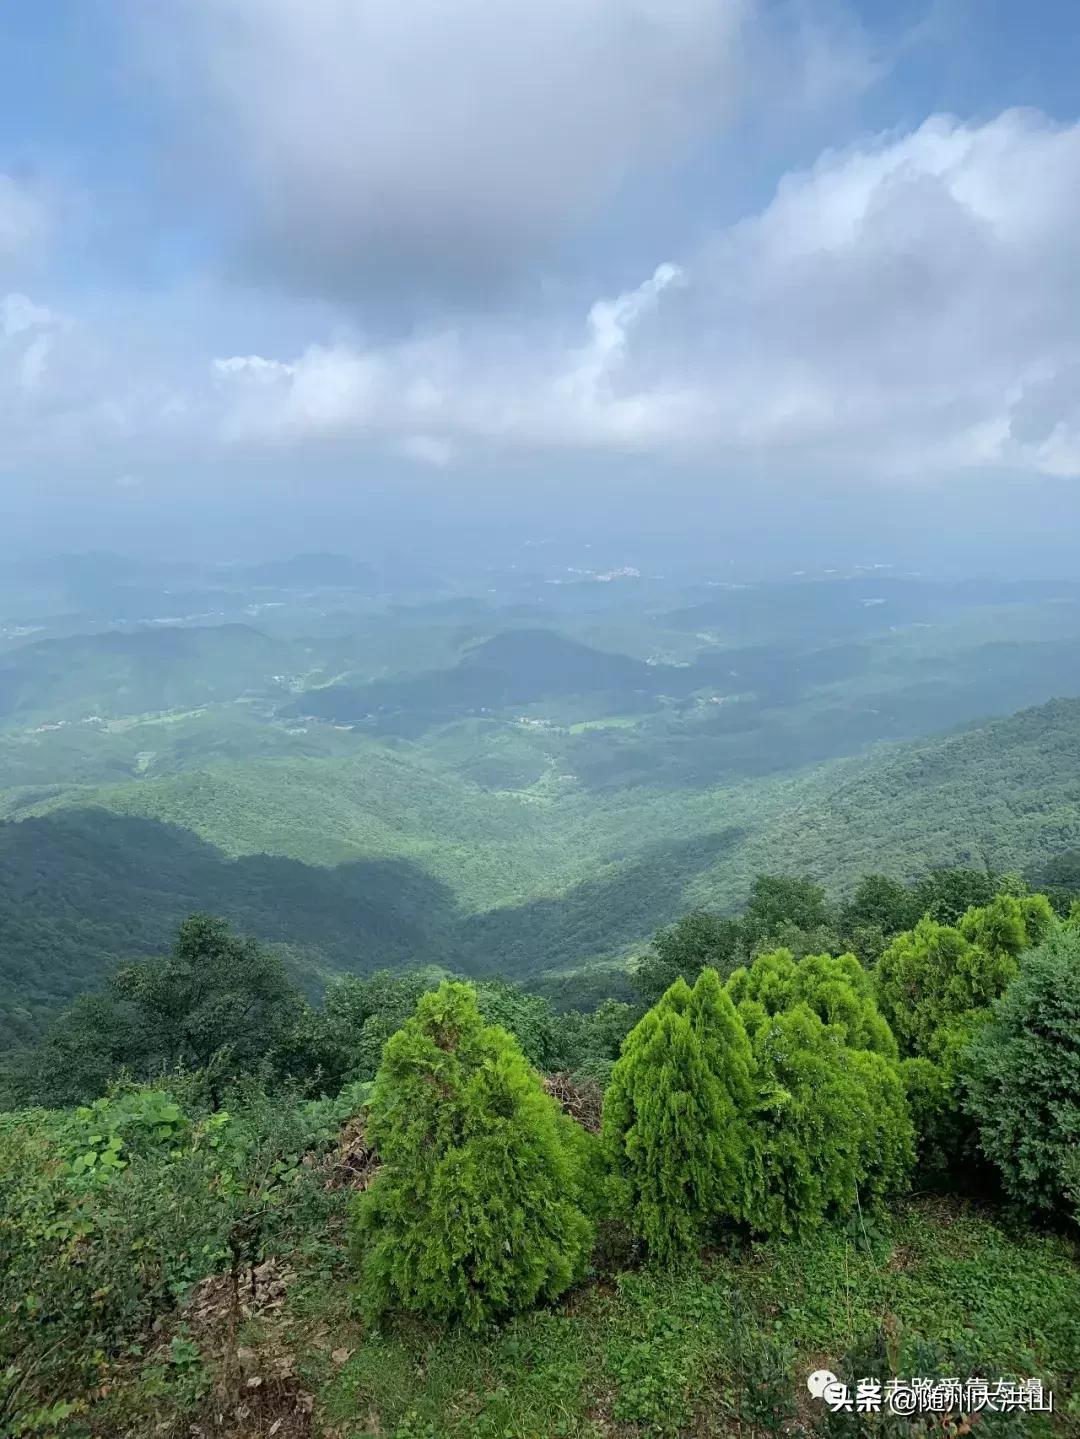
{"x":527,"y":783}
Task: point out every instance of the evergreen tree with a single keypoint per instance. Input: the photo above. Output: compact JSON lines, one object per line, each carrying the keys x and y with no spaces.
{"x":1021,"y":1078}
{"x":677,"y":1112}
{"x":933,"y":979}
{"x":835,"y":1127}
{"x":478,"y":1208}
{"x":937,"y":984}
{"x":928,"y":976}
{"x":836,"y":988}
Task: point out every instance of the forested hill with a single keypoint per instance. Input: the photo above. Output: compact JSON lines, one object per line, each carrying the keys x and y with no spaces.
{"x":122,"y":672}
{"x":380,"y":860}
{"x":1004,"y":794}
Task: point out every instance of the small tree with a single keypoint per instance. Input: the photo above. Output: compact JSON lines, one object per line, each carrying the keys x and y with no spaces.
{"x":215,"y":991}
{"x":779,"y":903}
{"x":1021,"y":1078}
{"x":836,"y":988}
{"x":946,"y":894}
{"x":217,"y":1002}
{"x":882,"y":903}
{"x":835,"y":1127}
{"x":478,"y":1208}
{"x":677,"y":1119}
{"x":698,"y":940}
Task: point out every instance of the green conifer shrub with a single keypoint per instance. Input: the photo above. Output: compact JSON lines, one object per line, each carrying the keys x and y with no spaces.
{"x":936,"y":984}
{"x":478,"y":1209}
{"x":835,"y":1130}
{"x":1021,"y":1078}
{"x":836,"y":988}
{"x":933,"y":976}
{"x":677,"y":1127}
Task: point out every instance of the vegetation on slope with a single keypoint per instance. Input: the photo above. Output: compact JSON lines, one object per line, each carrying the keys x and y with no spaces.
{"x":381,"y":858}
{"x":176,"y":1253}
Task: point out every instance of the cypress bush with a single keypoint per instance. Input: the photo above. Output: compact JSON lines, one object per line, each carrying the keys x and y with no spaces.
{"x":835,"y":1127}
{"x":677,"y":1127}
{"x":835,"y":987}
{"x":478,"y":1209}
{"x":937,"y":984}
{"x":933,"y":977}
{"x":1021,"y":1078}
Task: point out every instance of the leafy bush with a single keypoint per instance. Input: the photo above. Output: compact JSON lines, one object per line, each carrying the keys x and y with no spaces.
{"x":591,"y":1042}
{"x":1021,"y":1077}
{"x":834,"y":1123}
{"x":835,"y":987}
{"x":936,"y":975}
{"x":109,"y":1214}
{"x":677,"y":1129}
{"x":478,"y":1208}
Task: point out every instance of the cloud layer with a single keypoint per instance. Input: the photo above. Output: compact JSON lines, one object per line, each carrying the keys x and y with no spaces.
{"x":907,"y":307}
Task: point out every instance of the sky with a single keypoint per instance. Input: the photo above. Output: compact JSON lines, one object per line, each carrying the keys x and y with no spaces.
{"x":767,"y":275}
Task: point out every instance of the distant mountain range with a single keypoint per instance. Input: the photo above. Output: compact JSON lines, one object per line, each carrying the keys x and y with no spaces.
{"x":381,"y":860}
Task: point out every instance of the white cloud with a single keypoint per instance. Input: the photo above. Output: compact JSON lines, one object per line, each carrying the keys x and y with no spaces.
{"x":64,"y":388}
{"x":610,"y":325}
{"x":327,"y":389}
{"x":27,"y":336}
{"x":907,"y":307}
{"x":18,"y":315}
{"x":469,"y":387}
{"x":910,"y":305}
{"x":894,"y":303}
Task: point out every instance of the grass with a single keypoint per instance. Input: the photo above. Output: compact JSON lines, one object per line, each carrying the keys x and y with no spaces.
{"x":725,"y":1349}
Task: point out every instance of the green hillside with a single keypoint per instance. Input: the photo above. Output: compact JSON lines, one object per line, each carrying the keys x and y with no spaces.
{"x":382,"y":857}
{"x":127,"y":672}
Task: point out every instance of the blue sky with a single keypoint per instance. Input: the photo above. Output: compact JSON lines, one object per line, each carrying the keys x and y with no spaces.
{"x":265,"y":253}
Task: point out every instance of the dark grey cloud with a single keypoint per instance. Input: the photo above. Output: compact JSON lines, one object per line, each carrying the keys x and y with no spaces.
{"x":446,"y":147}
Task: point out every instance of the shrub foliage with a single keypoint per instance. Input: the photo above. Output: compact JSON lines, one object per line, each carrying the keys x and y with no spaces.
{"x":477,"y":1210}
{"x":677,"y":1128}
{"x":1021,"y":1078}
